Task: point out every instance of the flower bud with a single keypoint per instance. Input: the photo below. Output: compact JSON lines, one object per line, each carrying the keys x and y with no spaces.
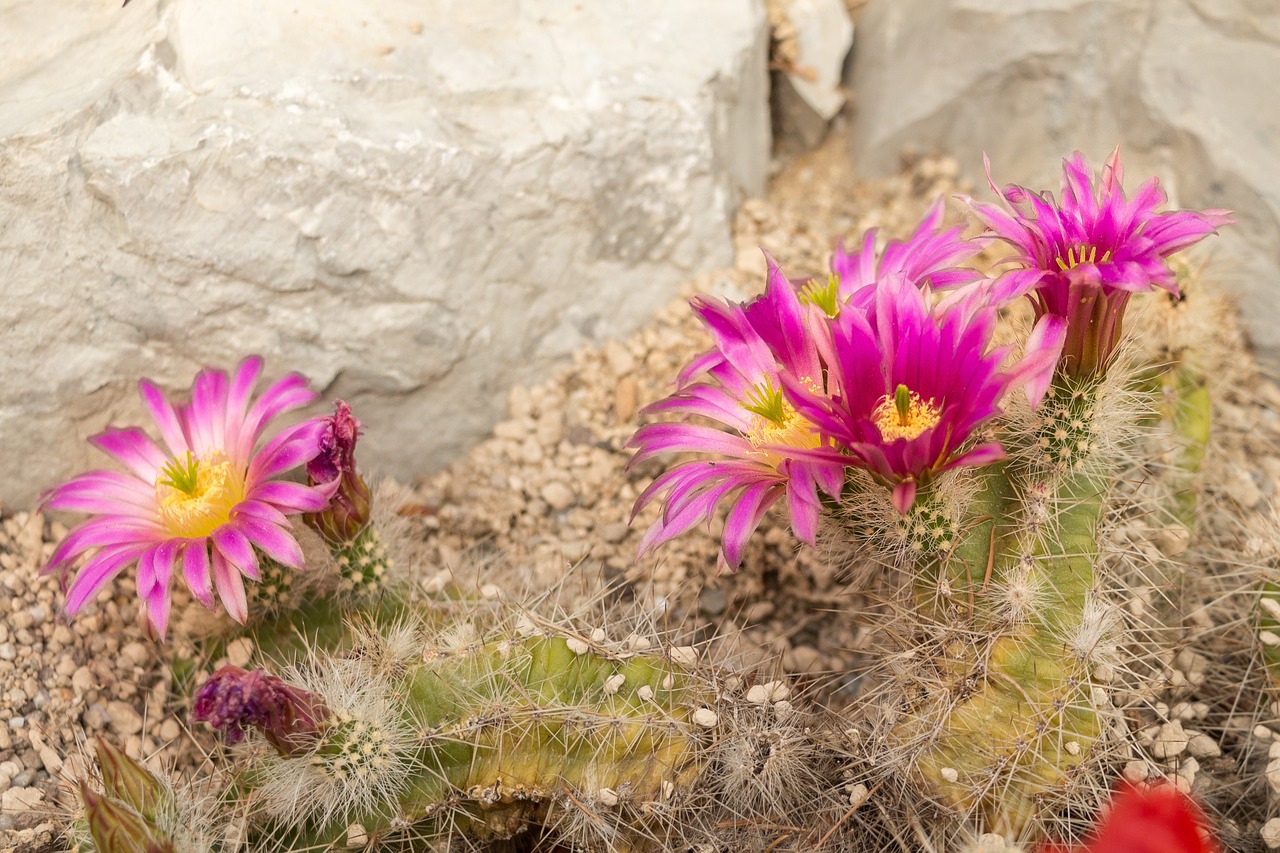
{"x":234,"y":699}
{"x":335,"y":467}
{"x":128,"y":781}
{"x":118,"y":829}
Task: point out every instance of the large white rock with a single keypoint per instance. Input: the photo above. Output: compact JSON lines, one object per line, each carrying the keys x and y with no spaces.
{"x":1187,"y":87}
{"x":417,"y":204}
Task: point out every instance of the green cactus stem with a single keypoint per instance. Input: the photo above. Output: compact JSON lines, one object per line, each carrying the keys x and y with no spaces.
{"x":485,"y":739}
{"x":1003,"y":712}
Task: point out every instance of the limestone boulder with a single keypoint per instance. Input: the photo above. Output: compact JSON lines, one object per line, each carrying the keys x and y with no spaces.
{"x":417,"y":204}
{"x":1186,"y":87}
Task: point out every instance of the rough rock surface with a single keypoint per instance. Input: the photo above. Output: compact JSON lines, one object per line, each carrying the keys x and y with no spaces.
{"x":421,"y":203}
{"x":1186,"y":86}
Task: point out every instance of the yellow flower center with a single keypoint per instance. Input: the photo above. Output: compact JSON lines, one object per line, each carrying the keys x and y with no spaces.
{"x":776,"y":422}
{"x":1078,"y":255}
{"x":903,"y":414}
{"x":196,"y":496}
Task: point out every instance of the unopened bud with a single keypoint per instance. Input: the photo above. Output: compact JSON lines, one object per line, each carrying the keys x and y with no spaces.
{"x":116,"y":828}
{"x":233,"y":700}
{"x":335,"y":466}
{"x":128,"y":781}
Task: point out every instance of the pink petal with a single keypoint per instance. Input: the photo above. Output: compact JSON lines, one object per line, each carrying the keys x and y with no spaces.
{"x":290,"y":497}
{"x":134,"y":449}
{"x":166,"y":418}
{"x":230,"y":587}
{"x":195,"y":567}
{"x":278,"y":544}
{"x":904,"y":495}
{"x":235,"y":547}
{"x":99,"y":571}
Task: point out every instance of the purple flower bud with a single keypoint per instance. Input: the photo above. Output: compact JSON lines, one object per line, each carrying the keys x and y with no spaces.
{"x":234,"y":699}
{"x":334,"y":469}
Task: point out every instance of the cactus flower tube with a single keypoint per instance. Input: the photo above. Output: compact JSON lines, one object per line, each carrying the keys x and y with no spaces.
{"x":1081,"y":259}
{"x":202,"y":504}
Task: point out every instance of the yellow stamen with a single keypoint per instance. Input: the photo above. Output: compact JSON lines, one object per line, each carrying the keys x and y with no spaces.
{"x":199,"y":499}
{"x":903,"y":414}
{"x":1078,"y":255}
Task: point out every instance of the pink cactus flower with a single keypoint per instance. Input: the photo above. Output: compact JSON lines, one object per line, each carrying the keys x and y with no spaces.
{"x":752,"y":459}
{"x":202,"y":505}
{"x":1081,"y":259}
{"x":910,"y":383}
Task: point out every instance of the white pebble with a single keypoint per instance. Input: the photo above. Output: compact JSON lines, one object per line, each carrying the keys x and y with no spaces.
{"x":1073,"y":747}
{"x":578,"y":647}
{"x":1135,"y":771}
{"x":1273,"y":775}
{"x":645,"y":692}
{"x":858,"y":794}
{"x":240,"y":652}
{"x":685,"y":656}
{"x":1271,"y":834}
{"x":949,"y":774}
{"x":1170,"y":741}
{"x":1203,"y":746}
{"x":614,"y":683}
{"x":705,"y":717}
{"x":357,"y":837}
{"x":758,"y":694}
{"x":607,"y":797}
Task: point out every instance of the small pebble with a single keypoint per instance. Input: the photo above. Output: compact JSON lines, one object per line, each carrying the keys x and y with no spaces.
{"x":240,"y":651}
{"x":607,"y":797}
{"x":706,"y":718}
{"x":557,"y":495}
{"x":1135,"y":771}
{"x":1170,"y":741}
{"x":685,"y":656}
{"x":1271,"y":834}
{"x":1203,"y":746}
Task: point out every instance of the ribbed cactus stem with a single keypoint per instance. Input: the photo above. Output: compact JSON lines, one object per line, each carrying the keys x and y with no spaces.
{"x":1019,"y":713}
{"x":484,"y":738}
{"x":1190,"y":413}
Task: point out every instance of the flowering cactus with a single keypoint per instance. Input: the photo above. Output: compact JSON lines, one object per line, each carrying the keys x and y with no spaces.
{"x":999,"y":702}
{"x":201,"y":506}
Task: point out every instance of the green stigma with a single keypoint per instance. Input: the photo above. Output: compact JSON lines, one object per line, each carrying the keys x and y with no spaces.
{"x":825,"y":296}
{"x":182,"y":475}
{"x":766,"y":401}
{"x":902,"y":403}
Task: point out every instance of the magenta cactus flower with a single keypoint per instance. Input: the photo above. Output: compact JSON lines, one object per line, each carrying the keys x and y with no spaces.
{"x":911,"y":383}
{"x":1082,"y":259}
{"x":202,"y":504}
{"x":929,"y":256}
{"x":738,"y":385}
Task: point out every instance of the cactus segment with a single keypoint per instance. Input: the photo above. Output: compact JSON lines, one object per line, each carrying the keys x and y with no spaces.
{"x":488,"y":738}
{"x":1002,"y":710}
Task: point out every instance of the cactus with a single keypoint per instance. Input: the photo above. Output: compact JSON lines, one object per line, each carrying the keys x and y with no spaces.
{"x":419,"y":736}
